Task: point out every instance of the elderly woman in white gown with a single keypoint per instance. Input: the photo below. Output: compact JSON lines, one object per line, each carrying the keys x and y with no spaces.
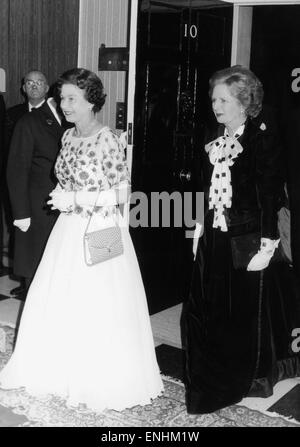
{"x":85,"y":331}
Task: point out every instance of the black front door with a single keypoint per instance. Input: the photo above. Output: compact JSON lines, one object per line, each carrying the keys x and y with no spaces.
{"x":178,"y":50}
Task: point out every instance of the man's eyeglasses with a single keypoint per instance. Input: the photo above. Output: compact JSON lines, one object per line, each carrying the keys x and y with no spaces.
{"x":31,"y":82}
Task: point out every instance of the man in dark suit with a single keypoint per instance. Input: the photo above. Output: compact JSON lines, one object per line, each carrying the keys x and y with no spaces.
{"x":2,"y":119}
{"x":33,"y":150}
{"x":2,"y":161}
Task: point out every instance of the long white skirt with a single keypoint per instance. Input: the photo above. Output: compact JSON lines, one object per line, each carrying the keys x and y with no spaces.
{"x":85,"y":332}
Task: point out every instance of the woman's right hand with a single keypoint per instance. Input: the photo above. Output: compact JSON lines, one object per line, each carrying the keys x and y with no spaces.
{"x":61,"y":200}
{"x":262,"y":258}
{"x":22,"y":224}
{"x":197,"y":234}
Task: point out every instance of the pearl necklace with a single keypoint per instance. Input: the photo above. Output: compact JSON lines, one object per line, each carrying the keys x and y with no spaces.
{"x":89,"y":130}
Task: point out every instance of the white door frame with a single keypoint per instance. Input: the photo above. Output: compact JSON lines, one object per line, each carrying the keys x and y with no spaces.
{"x":132,"y":21}
{"x":242,"y":26}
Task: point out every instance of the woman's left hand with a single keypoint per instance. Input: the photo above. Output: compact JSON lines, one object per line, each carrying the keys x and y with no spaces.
{"x":263,"y":257}
{"x":61,"y":200}
{"x":197,"y":234}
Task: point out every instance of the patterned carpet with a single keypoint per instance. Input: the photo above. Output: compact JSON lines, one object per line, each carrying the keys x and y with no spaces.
{"x":166,"y":411}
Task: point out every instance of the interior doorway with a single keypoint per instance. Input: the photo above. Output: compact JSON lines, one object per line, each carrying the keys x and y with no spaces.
{"x":178,"y":48}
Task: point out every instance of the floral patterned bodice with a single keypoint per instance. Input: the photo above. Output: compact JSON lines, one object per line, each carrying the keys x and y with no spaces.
{"x":91,"y":163}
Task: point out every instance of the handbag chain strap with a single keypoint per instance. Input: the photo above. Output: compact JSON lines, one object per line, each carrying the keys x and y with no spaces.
{"x":93,"y":210}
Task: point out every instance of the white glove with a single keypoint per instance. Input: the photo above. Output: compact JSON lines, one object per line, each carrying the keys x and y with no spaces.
{"x":22,"y":224}
{"x":61,"y":200}
{"x":197,"y":234}
{"x":262,"y":258}
{"x":106,"y":198}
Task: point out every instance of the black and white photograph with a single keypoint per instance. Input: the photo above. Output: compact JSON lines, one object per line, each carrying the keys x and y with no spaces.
{"x":149,"y":217}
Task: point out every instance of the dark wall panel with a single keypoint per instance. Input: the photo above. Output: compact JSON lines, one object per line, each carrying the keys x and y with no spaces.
{"x":42,"y":34}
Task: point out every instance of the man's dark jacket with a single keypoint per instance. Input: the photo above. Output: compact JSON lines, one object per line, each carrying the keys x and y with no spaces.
{"x":30,"y":176}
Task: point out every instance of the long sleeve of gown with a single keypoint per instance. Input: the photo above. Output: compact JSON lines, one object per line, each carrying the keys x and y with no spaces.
{"x":293,"y":182}
{"x":269,"y":180}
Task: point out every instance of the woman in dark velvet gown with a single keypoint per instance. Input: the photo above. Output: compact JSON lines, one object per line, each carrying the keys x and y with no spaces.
{"x":239,"y":321}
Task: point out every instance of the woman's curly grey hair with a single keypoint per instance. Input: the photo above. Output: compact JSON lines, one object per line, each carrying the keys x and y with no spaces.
{"x":87,"y":81}
{"x":243,"y":84}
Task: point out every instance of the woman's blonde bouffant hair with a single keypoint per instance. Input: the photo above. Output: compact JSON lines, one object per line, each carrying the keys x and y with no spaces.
{"x":243,"y":85}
